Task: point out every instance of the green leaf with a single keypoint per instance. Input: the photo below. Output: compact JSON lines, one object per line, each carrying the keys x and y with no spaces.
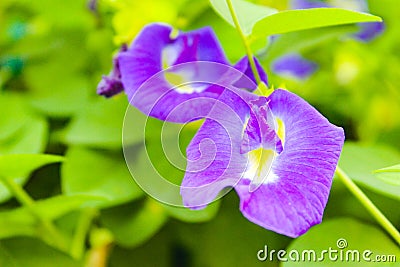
{"x":20,"y":221}
{"x":390,"y":175}
{"x":300,"y":41}
{"x":191,"y":216}
{"x":333,"y":234}
{"x":98,"y":173}
{"x":125,"y":28}
{"x":100,"y":124}
{"x":19,"y":126}
{"x":17,"y":222}
{"x":21,"y":142}
{"x":134,"y":223}
{"x":55,"y":207}
{"x":29,"y":252}
{"x":53,"y":15}
{"x":16,"y":115}
{"x":248,"y":13}
{"x":159,"y":165}
{"x":360,"y":161}
{"x":304,"y":19}
{"x":227,"y":35}
{"x":19,"y":166}
{"x":48,"y":93}
{"x":198,"y":244}
{"x":62,"y":100}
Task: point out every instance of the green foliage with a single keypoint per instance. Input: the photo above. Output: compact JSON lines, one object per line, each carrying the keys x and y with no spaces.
{"x":29,"y":252}
{"x":357,"y":236}
{"x":390,"y":175}
{"x":188,"y":215}
{"x":9,"y":125}
{"x":360,"y":162}
{"x":260,"y":21}
{"x":102,"y":174}
{"x":21,"y":221}
{"x":61,"y":144}
{"x":304,"y":19}
{"x":199,"y":244}
{"x":20,"y":127}
{"x":19,"y":166}
{"x":134,"y":224}
{"x":305,"y":40}
{"x":248,"y":13}
{"x":96,"y":128}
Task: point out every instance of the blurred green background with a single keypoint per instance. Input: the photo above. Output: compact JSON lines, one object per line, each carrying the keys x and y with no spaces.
{"x":84,"y":209}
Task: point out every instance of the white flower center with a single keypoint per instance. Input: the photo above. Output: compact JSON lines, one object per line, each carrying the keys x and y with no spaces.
{"x":183,"y":82}
{"x":260,"y":161}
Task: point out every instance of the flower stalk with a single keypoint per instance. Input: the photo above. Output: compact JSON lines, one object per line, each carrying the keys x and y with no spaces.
{"x":367,"y":203}
{"x":245,"y":42}
{"x":56,"y":238}
{"x":77,"y":249}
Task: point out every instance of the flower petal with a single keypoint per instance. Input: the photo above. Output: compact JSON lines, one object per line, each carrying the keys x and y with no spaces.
{"x":243,"y":65}
{"x":160,"y":99}
{"x":294,"y":65}
{"x":296,"y":199}
{"x":369,"y":31}
{"x":111,"y":85}
{"x":162,"y":75}
{"x":203,"y":45}
{"x":261,"y":128}
{"x":198,"y":67}
{"x":214,"y":159}
{"x":305,"y":4}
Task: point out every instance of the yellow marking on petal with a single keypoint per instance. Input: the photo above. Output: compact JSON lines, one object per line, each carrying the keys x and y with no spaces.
{"x":174,"y":79}
{"x":259,"y":167}
{"x":281,"y":129}
{"x":174,"y":34}
{"x":265,"y":158}
{"x":178,"y":83}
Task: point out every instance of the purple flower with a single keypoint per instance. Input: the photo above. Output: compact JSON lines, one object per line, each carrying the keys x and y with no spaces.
{"x":93,"y":5}
{"x":305,"y":4}
{"x":369,"y":30}
{"x":298,"y":67}
{"x":161,"y":73}
{"x":111,"y":85}
{"x":278,"y":153}
{"x":294,"y":65}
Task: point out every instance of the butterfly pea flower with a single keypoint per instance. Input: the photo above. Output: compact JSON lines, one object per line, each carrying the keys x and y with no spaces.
{"x":162,"y":70}
{"x":294,"y":65}
{"x":277,"y":152}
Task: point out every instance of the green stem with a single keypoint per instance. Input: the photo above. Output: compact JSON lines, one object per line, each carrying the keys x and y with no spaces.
{"x":245,"y":42}
{"x":57,"y":239}
{"x":78,"y":242}
{"x":367,"y":203}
